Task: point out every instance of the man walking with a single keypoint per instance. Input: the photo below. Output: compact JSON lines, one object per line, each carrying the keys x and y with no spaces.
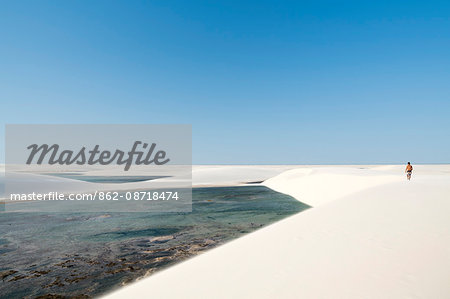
{"x":408,"y":171}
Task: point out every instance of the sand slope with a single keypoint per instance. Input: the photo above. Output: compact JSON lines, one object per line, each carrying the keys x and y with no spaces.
{"x":371,"y":234}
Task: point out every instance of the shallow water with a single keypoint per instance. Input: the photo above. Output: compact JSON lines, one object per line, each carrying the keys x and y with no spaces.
{"x":106,"y":179}
{"x":92,"y":253}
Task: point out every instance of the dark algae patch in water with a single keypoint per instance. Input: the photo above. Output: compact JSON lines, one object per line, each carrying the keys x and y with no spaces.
{"x":85,"y":255}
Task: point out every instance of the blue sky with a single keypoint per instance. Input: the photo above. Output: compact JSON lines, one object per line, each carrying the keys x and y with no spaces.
{"x":277,"y":82}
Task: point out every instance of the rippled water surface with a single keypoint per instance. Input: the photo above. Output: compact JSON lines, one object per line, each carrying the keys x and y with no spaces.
{"x":92,"y":253}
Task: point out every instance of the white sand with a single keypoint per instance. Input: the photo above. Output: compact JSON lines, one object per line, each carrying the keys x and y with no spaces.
{"x":202,"y":176}
{"x":371,"y":234}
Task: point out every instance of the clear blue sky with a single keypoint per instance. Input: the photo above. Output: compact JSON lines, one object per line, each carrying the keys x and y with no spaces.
{"x":260,"y":81}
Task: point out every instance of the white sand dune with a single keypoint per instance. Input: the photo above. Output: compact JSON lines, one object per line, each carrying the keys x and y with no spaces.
{"x":233,"y":175}
{"x":320,"y":186}
{"x":201,"y":176}
{"x":370,"y":234}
